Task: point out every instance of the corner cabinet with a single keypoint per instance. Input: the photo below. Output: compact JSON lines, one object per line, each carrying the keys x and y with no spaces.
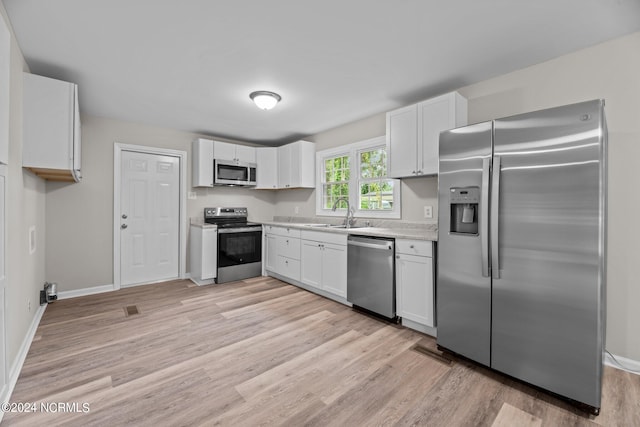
{"x":297,"y":165}
{"x":413,"y":134}
{"x":51,"y":129}
{"x":289,"y":166}
{"x":415,"y":293}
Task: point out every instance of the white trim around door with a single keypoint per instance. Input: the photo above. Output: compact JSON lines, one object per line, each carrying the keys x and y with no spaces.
{"x":118,"y":148}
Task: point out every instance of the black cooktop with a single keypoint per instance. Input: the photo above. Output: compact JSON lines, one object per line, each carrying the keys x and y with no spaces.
{"x":234,"y":224}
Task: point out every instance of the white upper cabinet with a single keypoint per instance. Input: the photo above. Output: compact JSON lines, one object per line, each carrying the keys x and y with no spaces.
{"x":203,"y":151}
{"x":413,"y":134}
{"x":284,"y":166}
{"x":245,"y":154}
{"x":266,"y":168}
{"x":289,"y":166}
{"x":5,"y":78}
{"x":202,"y":163}
{"x":51,"y":129}
{"x":235,"y":152}
{"x":297,"y":165}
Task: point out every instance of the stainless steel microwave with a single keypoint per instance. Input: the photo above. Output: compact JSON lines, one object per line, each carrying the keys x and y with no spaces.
{"x":229,"y":172}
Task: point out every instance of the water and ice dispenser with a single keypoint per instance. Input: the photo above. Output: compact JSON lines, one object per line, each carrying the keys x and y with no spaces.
{"x":463,"y":202}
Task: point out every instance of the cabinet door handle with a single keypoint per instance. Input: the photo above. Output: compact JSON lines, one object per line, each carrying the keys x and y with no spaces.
{"x":411,"y":246}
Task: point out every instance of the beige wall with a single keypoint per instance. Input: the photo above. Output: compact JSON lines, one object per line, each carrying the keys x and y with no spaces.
{"x":80,"y":216}
{"x":25,"y":208}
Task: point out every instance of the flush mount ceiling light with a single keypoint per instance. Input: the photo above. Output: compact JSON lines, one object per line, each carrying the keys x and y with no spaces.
{"x":264,"y":99}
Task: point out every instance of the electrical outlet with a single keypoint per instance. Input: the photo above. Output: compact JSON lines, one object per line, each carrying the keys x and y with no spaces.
{"x":29,"y":304}
{"x":296,"y":210}
{"x":428,"y":211}
{"x":191,"y":195}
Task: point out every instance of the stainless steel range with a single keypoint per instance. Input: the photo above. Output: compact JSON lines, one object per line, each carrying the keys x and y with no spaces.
{"x":239,"y":244}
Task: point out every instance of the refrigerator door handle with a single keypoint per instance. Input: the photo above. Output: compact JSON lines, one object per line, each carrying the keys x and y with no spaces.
{"x":484,"y":217}
{"x":495,"y":209}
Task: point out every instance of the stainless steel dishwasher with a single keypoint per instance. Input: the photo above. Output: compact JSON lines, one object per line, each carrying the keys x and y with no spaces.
{"x":371,"y":283}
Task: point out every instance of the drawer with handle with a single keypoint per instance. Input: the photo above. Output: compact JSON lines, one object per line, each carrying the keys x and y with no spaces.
{"x":414,"y":247}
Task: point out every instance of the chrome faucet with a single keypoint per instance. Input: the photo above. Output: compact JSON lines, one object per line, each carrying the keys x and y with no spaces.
{"x":348,"y":222}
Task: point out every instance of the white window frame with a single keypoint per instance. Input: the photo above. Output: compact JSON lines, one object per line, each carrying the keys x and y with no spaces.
{"x":353,"y":151}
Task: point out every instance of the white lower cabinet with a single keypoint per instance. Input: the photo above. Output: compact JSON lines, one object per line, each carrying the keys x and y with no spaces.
{"x":324,"y":262}
{"x":334,"y":269}
{"x":415,"y":301}
{"x":313,"y":260}
{"x":271,"y":254}
{"x":283,"y":251}
{"x":203,"y":254}
{"x":288,"y":267}
{"x":311,"y":254}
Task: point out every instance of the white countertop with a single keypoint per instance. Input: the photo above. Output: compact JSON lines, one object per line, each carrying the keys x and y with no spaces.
{"x":199,"y":222}
{"x":422,"y":232}
{"x":428,"y":232}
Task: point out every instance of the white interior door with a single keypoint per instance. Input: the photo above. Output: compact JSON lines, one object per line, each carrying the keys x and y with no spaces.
{"x":149,"y":218}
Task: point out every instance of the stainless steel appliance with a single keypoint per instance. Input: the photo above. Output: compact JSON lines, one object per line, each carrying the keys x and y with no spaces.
{"x":371,"y":283}
{"x":229,"y":172}
{"x":521,"y":247}
{"x":239,"y":244}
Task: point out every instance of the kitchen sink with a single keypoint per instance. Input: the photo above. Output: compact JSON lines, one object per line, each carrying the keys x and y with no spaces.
{"x":334,"y":226}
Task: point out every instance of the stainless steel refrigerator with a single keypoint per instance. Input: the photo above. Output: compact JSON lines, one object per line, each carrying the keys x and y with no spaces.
{"x":522,"y":247}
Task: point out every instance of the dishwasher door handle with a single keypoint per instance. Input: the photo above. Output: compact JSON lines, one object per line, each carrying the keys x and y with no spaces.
{"x":380,"y":246}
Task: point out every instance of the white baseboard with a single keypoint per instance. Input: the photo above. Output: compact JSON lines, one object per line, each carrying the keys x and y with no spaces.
{"x":16,"y":367}
{"x":86,"y":291}
{"x":202,"y":282}
{"x":622,"y":363}
{"x":420,"y":327}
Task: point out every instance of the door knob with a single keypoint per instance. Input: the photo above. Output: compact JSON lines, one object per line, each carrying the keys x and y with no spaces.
{"x":124,"y":216}
{"x":123,"y":226}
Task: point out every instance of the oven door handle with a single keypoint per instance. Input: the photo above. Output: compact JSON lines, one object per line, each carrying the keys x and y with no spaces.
{"x":238,"y":230}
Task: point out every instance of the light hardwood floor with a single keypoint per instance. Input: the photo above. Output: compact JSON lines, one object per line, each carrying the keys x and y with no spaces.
{"x":262,"y":352}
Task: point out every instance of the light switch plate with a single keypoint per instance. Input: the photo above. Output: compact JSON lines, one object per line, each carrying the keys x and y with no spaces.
{"x":428,"y":211}
{"x":32,"y":240}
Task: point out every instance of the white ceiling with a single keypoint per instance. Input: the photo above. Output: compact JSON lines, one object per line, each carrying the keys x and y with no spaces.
{"x":191,"y":64}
